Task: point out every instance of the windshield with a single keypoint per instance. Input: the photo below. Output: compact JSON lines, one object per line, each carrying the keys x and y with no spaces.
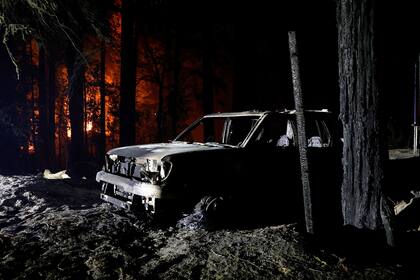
{"x":220,"y":130}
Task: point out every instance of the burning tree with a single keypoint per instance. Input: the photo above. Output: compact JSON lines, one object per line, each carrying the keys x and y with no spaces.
{"x":56,"y":25}
{"x":97,"y":77}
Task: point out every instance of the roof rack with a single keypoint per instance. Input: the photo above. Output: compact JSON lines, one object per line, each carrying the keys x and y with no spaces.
{"x":287,"y":111}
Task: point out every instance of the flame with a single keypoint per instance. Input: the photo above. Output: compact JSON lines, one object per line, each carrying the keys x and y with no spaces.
{"x":34,"y":51}
{"x":147,"y":91}
{"x":89,"y":126}
{"x":32,"y":97}
{"x":62,"y":120}
{"x":31,"y":148}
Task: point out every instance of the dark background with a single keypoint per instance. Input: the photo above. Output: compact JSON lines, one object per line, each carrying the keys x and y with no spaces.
{"x":255,"y":47}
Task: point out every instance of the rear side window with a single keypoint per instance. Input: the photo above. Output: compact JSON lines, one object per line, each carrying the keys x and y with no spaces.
{"x":281,"y":131}
{"x":317,"y":133}
{"x":276,"y":131}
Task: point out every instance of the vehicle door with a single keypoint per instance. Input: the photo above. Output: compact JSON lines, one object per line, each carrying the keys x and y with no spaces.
{"x":273,"y":155}
{"x":325,"y":170}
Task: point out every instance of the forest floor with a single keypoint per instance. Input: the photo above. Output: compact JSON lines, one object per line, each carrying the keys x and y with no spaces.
{"x":56,"y":229}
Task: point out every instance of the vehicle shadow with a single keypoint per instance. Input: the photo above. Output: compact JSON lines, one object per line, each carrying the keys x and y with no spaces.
{"x":232,"y":219}
{"x":68,"y":192}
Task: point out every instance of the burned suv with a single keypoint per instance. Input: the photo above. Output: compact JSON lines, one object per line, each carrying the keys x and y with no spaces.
{"x":247,"y":158}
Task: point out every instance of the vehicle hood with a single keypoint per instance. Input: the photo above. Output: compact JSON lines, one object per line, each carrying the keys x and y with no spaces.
{"x":161,"y":150}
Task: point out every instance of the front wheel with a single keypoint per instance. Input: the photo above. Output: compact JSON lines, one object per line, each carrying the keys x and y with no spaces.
{"x":211,"y":206}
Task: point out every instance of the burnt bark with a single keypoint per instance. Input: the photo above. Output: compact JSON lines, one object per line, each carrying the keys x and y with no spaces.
{"x":102,"y":89}
{"x":128,"y":74}
{"x":301,"y":131}
{"x":245,"y":63}
{"x":159,"y":117}
{"x":52,"y":93}
{"x":76,"y":69}
{"x":43,"y":117}
{"x":364,"y":151}
{"x":33,"y":102}
{"x":208,"y":83}
{"x":174,"y":94}
{"x":47,"y":88}
{"x":158,"y":72}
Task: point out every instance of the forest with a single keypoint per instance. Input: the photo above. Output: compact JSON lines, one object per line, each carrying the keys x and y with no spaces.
{"x":81,"y":77}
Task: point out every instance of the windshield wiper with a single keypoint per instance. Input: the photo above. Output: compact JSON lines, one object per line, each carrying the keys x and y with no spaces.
{"x":215,"y":144}
{"x":177,"y":141}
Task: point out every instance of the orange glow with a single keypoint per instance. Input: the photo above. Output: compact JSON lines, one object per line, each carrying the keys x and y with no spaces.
{"x":62,"y":120}
{"x":34,"y":51}
{"x":89,"y":126}
{"x":155,"y":75}
{"x":116,"y":23}
{"x":31,"y":148}
{"x":32,"y":97}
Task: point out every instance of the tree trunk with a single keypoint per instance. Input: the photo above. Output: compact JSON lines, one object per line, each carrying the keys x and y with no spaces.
{"x":52,"y":93}
{"x":159,"y":118}
{"x":301,"y":131}
{"x":43,"y":119}
{"x":364,"y":150}
{"x":208,"y":87}
{"x":102,"y":89}
{"x":85,"y":121}
{"x":161,"y":76}
{"x":173,"y":98}
{"x":246,"y":67}
{"x":33,"y":101}
{"x":46,"y":75}
{"x":76,"y":70}
{"x":128,"y":74}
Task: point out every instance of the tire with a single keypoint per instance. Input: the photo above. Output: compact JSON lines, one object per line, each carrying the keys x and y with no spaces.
{"x":212,"y":206}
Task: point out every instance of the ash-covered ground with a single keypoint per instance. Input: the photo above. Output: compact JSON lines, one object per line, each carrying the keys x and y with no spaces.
{"x":56,"y":229}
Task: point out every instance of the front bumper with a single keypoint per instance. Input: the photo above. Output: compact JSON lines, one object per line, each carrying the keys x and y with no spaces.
{"x":117,"y":202}
{"x":148,"y":192}
{"x":129,"y":185}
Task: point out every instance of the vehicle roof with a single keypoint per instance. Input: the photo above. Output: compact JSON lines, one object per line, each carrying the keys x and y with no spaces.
{"x":237,"y":114}
{"x":261,"y":113}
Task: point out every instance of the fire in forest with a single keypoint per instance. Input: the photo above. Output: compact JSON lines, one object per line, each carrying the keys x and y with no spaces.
{"x":169,"y":84}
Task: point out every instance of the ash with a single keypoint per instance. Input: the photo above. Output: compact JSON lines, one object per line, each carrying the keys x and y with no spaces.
{"x":59,"y":229}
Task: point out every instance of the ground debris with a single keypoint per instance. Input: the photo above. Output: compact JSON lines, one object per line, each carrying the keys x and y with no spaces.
{"x":407,"y":211}
{"x":54,"y":229}
{"x":55,"y":176}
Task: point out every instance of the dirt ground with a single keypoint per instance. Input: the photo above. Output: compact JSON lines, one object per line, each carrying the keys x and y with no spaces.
{"x":56,"y":229}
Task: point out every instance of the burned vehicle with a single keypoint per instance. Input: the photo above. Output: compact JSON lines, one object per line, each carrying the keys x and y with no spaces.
{"x":248,"y":159}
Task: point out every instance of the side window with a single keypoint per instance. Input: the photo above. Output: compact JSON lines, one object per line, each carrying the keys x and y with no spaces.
{"x":275,"y":132}
{"x":317,"y":134}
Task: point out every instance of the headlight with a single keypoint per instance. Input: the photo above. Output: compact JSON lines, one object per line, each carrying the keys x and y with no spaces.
{"x":156,"y":167}
{"x":113,"y":157}
{"x":152,"y":165}
{"x":165,"y":169}
{"x":109,"y":161}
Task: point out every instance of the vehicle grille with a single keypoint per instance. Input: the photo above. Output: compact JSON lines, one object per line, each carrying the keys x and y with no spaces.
{"x":125,"y":166}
